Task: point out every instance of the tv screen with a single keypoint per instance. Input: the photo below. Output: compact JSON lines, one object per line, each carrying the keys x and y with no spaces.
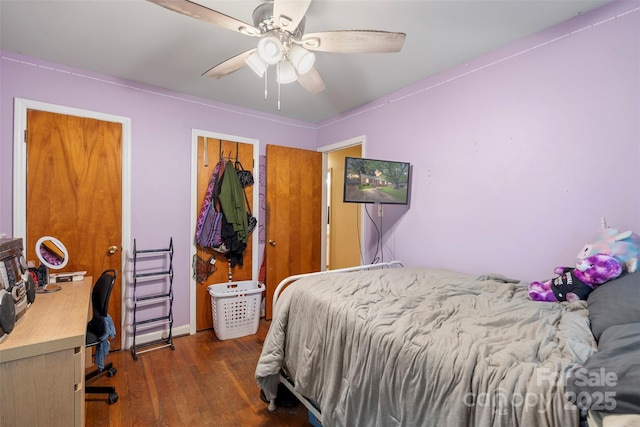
{"x":376,"y":181}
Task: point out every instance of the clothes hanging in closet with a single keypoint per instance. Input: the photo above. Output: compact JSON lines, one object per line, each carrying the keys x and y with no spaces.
{"x":232,"y":202}
{"x":208,"y":226}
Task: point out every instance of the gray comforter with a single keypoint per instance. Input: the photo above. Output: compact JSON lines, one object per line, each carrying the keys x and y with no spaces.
{"x":423,"y":347}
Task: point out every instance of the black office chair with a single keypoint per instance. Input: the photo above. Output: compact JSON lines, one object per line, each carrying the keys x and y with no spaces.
{"x":96,"y":329}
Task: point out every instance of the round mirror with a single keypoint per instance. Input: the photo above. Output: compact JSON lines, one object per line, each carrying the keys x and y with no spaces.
{"x":51,"y":252}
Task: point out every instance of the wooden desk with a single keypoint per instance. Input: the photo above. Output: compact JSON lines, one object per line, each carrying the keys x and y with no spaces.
{"x":42,"y":360}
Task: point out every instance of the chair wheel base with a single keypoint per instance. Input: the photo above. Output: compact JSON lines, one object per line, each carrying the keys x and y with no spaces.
{"x":110,"y":391}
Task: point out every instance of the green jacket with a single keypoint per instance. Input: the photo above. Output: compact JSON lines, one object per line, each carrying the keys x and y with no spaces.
{"x":232,"y":202}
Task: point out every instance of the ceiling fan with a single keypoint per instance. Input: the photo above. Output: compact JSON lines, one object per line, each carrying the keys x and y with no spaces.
{"x":280,"y":26}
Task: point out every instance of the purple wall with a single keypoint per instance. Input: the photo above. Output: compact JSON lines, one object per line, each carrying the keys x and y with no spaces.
{"x":161,"y":124}
{"x":517,"y":154}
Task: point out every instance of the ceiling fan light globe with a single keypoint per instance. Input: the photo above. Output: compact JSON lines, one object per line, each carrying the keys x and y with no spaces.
{"x":286,"y":73}
{"x":302,"y":59}
{"x":270,"y":50}
{"x":256,"y":64}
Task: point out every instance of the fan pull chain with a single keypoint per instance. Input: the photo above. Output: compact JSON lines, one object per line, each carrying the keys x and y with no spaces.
{"x":278,"y":87}
{"x":265,"y":83}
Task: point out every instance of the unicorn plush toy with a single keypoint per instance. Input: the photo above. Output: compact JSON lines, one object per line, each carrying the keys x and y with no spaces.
{"x":625,"y":246}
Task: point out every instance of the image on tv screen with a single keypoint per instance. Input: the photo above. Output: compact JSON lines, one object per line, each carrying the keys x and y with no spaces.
{"x":376,"y":181}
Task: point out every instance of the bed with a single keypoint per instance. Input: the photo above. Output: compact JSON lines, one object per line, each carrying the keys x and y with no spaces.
{"x":388,"y":345}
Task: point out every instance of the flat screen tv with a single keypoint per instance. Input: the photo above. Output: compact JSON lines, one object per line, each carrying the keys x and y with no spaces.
{"x":376,"y":181}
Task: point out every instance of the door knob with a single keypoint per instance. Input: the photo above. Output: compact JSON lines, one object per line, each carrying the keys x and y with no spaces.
{"x":112,"y":249}
{"x":272,"y":243}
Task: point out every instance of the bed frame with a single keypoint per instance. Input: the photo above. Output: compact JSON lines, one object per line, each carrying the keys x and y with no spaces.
{"x":283,"y":284}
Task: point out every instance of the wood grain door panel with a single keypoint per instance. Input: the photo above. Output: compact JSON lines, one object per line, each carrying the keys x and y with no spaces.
{"x":293,"y":215}
{"x":74,"y":193}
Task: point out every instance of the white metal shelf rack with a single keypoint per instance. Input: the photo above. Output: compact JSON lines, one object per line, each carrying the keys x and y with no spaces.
{"x":152,"y":287}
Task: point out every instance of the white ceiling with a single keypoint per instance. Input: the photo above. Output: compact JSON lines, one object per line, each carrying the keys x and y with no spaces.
{"x":140,"y":41}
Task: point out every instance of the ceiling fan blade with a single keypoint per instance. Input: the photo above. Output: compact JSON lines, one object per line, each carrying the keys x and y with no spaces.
{"x":229,"y":66}
{"x":203,"y":13}
{"x":287,"y":14}
{"x":354,"y":41}
{"x":312,"y":81}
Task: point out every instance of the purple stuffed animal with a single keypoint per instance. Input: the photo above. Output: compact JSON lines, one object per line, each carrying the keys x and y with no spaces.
{"x":574,"y":284}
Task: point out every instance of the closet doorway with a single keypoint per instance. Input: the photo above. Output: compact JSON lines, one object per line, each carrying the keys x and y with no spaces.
{"x":209,"y":149}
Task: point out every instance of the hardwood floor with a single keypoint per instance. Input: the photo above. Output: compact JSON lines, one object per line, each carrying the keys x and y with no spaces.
{"x":203,"y":382}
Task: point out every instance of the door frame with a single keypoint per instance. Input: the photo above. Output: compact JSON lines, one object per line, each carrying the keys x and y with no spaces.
{"x":195,"y":209}
{"x":325,"y":150}
{"x":20,"y":175}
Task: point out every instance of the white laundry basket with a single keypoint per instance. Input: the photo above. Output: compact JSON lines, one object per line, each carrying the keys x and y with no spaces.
{"x":235,"y":307}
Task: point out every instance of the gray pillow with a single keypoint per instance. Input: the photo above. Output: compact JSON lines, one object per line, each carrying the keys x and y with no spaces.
{"x":609,"y":380}
{"x":615,"y":303}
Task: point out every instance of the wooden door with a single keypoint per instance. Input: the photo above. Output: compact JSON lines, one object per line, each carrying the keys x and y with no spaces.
{"x":293,"y":215}
{"x":210,"y":150}
{"x":74,"y":193}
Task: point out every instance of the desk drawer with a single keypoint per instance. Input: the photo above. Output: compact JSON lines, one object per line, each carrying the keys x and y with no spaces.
{"x":48,"y":382}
